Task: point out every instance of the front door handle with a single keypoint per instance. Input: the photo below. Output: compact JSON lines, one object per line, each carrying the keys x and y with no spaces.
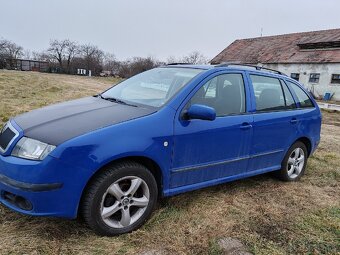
{"x":245,"y":125}
{"x":293,"y":120}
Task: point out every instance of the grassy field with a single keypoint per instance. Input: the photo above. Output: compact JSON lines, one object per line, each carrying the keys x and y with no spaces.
{"x":267,"y":215}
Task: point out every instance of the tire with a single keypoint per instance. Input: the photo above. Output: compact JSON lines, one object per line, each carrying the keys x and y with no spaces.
{"x":294,"y":163}
{"x":120,"y":199}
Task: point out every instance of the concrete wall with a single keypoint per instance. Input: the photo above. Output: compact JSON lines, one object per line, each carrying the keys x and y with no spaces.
{"x":325,"y":70}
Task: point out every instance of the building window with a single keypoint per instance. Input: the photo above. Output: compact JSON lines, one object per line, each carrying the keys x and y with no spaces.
{"x":314,"y":77}
{"x":295,"y":76}
{"x":335,"y":78}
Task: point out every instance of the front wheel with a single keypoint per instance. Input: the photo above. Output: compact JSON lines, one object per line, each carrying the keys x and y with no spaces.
{"x":120,"y":199}
{"x":294,"y":163}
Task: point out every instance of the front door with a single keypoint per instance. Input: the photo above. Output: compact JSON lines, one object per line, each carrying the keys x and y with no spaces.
{"x":209,"y":151}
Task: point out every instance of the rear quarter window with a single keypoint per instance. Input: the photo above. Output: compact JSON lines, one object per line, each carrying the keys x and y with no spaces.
{"x":303,"y":99}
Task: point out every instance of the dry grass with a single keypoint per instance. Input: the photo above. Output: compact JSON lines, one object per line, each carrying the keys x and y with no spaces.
{"x":269,"y":216}
{"x":24,"y":91}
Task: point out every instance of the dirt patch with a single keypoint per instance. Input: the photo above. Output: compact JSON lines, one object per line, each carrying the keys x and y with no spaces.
{"x":331,"y":117}
{"x":232,"y":246}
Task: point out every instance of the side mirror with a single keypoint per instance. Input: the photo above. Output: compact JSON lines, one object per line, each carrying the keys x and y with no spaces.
{"x":201,"y":112}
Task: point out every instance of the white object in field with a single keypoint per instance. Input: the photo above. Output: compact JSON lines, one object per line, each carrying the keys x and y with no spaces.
{"x":329,"y":106}
{"x":81,"y":71}
{"x":90,"y":73}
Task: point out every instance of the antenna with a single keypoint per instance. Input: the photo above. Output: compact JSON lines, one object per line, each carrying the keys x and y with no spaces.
{"x":261,"y":31}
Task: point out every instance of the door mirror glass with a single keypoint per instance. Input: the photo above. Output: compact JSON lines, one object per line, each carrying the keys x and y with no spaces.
{"x":201,"y":112}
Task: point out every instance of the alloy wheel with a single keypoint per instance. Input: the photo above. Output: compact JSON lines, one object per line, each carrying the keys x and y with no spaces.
{"x":124,"y":202}
{"x":296,"y":163}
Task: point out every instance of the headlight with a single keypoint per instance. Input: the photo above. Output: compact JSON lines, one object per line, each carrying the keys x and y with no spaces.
{"x":32,"y":149}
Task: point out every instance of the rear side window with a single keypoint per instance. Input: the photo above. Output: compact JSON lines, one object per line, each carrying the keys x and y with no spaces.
{"x":268,"y":93}
{"x":303,"y":98}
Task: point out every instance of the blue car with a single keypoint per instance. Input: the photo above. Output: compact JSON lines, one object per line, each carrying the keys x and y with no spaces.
{"x":163,"y":132}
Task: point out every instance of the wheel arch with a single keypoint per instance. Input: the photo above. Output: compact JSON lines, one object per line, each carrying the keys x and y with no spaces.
{"x":307,"y":142}
{"x":149,"y":163}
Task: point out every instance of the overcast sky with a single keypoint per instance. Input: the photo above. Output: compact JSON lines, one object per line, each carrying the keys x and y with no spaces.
{"x":160,"y":28}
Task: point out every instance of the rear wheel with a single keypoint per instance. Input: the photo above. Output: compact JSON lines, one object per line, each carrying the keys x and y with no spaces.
{"x":120,"y":199}
{"x":294,"y":163}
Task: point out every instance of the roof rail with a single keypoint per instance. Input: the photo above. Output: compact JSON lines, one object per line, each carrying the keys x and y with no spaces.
{"x":173,"y":64}
{"x":259,"y":68}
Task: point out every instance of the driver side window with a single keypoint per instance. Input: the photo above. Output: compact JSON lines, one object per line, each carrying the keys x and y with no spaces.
{"x":225,"y":93}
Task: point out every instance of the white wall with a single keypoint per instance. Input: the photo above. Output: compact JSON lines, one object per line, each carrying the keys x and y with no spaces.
{"x":325,"y":70}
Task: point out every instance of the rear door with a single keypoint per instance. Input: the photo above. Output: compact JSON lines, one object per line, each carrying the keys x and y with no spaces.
{"x":308,"y":114}
{"x":275,"y":123}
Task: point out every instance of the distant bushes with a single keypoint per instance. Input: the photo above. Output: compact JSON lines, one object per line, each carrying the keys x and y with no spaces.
{"x":66,"y":56}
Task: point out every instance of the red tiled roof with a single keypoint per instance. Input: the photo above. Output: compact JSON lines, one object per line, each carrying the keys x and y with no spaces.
{"x":282,"y":49}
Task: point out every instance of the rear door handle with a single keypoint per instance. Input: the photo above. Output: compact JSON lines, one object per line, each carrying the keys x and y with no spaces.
{"x":245,"y":125}
{"x":293,"y":120}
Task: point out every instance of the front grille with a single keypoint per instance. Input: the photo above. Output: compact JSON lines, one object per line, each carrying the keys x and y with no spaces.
{"x":7,"y":135}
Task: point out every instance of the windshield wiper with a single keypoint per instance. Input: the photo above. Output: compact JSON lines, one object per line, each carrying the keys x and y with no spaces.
{"x":116,"y":100}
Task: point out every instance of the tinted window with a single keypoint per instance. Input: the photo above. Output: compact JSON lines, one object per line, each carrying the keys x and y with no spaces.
{"x":290,"y":103}
{"x":303,"y":98}
{"x":225,"y":93}
{"x":268,"y":93}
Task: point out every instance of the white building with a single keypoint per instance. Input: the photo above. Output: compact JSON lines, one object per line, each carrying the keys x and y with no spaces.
{"x":312,"y":58}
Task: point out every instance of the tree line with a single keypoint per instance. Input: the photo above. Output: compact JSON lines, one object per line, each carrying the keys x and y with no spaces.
{"x":67,"y":56}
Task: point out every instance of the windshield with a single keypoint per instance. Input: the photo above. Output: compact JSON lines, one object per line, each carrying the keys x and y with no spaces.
{"x":154,"y":87}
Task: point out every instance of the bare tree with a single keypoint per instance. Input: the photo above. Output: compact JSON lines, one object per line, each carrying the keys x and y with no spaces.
{"x":110,"y":63}
{"x":93,"y":57}
{"x":57,"y":50}
{"x":41,"y":56}
{"x":63,"y":52}
{"x":195,"y":58}
{"x":136,"y":65}
{"x":27,"y":54}
{"x":9,"y":52}
{"x":3,"y":44}
{"x":72,"y":49}
{"x":14,"y":51}
{"x":172,"y":59}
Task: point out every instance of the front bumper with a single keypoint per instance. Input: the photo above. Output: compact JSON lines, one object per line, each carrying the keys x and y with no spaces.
{"x":52,"y":187}
{"x":29,"y":186}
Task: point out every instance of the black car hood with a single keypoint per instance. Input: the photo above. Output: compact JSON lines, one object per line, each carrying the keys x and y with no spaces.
{"x":60,"y":122}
